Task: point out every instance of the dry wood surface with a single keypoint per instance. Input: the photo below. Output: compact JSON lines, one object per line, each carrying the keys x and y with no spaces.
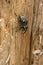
{"x":17,"y":47}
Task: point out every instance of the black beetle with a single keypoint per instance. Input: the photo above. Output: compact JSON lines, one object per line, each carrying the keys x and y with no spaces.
{"x":24,"y":22}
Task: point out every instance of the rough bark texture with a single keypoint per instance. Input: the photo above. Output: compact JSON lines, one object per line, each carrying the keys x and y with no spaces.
{"x":17,"y":47}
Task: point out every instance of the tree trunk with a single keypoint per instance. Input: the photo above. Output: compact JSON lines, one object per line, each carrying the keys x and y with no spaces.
{"x":17,"y":47}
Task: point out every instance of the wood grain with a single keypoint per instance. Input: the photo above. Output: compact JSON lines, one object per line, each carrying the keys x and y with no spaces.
{"x":16,"y":47}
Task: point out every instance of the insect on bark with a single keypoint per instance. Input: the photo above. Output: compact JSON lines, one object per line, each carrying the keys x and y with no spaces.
{"x":24,"y":23}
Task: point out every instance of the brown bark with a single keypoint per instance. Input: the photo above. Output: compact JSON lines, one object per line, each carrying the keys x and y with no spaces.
{"x":16,"y":47}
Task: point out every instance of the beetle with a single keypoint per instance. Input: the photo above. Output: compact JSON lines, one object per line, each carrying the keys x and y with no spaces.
{"x":24,"y":22}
